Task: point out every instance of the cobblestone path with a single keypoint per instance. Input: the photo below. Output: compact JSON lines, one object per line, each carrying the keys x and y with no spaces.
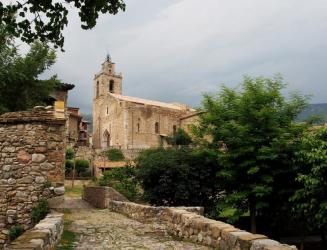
{"x":101,"y":229}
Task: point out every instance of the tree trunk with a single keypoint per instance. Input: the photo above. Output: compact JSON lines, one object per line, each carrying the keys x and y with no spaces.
{"x":73,"y":174}
{"x":252,"y":205}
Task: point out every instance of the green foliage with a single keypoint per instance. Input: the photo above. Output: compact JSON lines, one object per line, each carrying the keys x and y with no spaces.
{"x":45,"y":19}
{"x":69,"y":166}
{"x":115,"y":154}
{"x":180,"y":138}
{"x":177,"y":177}
{"x":15,"y":232}
{"x":81,"y":166}
{"x":253,"y":135}
{"x":123,"y":180}
{"x":70,"y":153}
{"x":40,"y":211}
{"x":19,"y":75}
{"x":310,"y":199}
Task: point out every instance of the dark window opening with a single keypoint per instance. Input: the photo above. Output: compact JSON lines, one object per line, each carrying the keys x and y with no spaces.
{"x":174,"y":129}
{"x":97,"y":90}
{"x":111,"y":86}
{"x":138,"y":127}
{"x":156,"y":127}
{"x":107,"y":110}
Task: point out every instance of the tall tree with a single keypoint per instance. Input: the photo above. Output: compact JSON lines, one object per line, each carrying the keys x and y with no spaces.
{"x":251,"y":129}
{"x":20,"y":87}
{"x":310,"y":199}
{"x":45,"y":19}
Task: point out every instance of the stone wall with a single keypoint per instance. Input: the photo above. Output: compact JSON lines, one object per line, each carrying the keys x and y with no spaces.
{"x":194,"y":227}
{"x":32,"y":148}
{"x":99,"y":197}
{"x":45,"y":235}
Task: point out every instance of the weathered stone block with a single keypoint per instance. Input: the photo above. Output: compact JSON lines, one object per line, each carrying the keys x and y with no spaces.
{"x":38,"y":158}
{"x":23,"y":156}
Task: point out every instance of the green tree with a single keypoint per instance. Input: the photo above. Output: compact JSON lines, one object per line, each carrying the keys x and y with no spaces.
{"x":45,"y":19}
{"x":180,"y":138}
{"x":115,"y":154}
{"x":20,"y":87}
{"x":81,"y":166}
{"x":251,"y":130}
{"x":310,"y":199}
{"x":178,"y":176}
{"x":123,"y":180}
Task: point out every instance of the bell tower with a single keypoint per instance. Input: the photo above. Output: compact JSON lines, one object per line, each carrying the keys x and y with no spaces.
{"x":107,"y":80}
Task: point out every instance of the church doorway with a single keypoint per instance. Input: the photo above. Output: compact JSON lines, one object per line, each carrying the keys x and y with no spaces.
{"x":106,"y":139}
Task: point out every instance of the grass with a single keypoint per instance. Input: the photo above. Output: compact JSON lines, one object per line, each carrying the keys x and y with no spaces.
{"x":68,"y":237}
{"x":74,"y":192}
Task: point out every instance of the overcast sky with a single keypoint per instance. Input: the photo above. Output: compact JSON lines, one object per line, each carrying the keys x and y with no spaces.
{"x":174,"y":50}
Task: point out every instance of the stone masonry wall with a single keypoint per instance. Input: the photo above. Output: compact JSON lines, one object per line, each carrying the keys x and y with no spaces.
{"x":32,"y":147}
{"x":184,"y":222}
{"x":45,"y":235}
{"x":99,"y":197}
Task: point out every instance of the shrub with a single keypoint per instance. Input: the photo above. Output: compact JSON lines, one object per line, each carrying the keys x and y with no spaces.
{"x":123,"y":180}
{"x":15,"y":232}
{"x":81,"y":166}
{"x":70,"y":154}
{"x":115,"y":155}
{"x":69,"y":165}
{"x":178,"y":177}
{"x":40,"y":211}
{"x":181,"y":138}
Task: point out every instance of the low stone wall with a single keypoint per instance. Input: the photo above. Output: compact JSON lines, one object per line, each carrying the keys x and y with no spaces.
{"x":45,"y":235}
{"x":99,"y":197}
{"x":193,"y":226}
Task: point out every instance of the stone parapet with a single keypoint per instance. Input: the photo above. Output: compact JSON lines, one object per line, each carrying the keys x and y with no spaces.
{"x":99,"y":197}
{"x":45,"y":235}
{"x":195,"y":227}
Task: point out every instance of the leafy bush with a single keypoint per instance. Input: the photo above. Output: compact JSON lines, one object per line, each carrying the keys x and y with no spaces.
{"x":177,"y":177}
{"x":123,"y":180}
{"x":15,"y":232}
{"x":69,"y":165}
{"x":115,"y":154}
{"x":70,"y":154}
{"x":310,"y":202}
{"x":40,"y":211}
{"x":181,"y":138}
{"x":81,"y":166}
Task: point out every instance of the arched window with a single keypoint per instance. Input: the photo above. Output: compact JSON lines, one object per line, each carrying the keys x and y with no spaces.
{"x":156,"y":127}
{"x":106,"y":139}
{"x":174,"y":129}
{"x":97,"y":89}
{"x":138,"y":127}
{"x":111,"y":86}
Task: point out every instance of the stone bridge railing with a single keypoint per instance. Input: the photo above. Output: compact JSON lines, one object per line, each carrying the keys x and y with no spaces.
{"x":185,"y":222}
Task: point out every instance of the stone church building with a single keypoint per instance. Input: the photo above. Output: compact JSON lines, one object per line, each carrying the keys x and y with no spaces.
{"x":126,"y":122}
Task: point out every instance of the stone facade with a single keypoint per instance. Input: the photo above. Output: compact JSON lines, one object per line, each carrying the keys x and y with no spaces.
{"x":45,"y":235}
{"x":32,"y":148}
{"x":129,"y":122}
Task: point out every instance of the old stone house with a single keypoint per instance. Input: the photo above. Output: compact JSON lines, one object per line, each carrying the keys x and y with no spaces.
{"x":129,"y":122}
{"x":77,"y":128}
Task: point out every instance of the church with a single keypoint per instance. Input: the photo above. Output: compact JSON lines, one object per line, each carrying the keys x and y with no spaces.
{"x":127,"y":122}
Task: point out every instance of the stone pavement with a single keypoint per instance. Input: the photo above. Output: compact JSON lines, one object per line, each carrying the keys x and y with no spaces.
{"x":102,"y":229}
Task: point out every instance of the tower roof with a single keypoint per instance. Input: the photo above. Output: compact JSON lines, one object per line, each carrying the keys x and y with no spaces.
{"x":108,"y":58}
